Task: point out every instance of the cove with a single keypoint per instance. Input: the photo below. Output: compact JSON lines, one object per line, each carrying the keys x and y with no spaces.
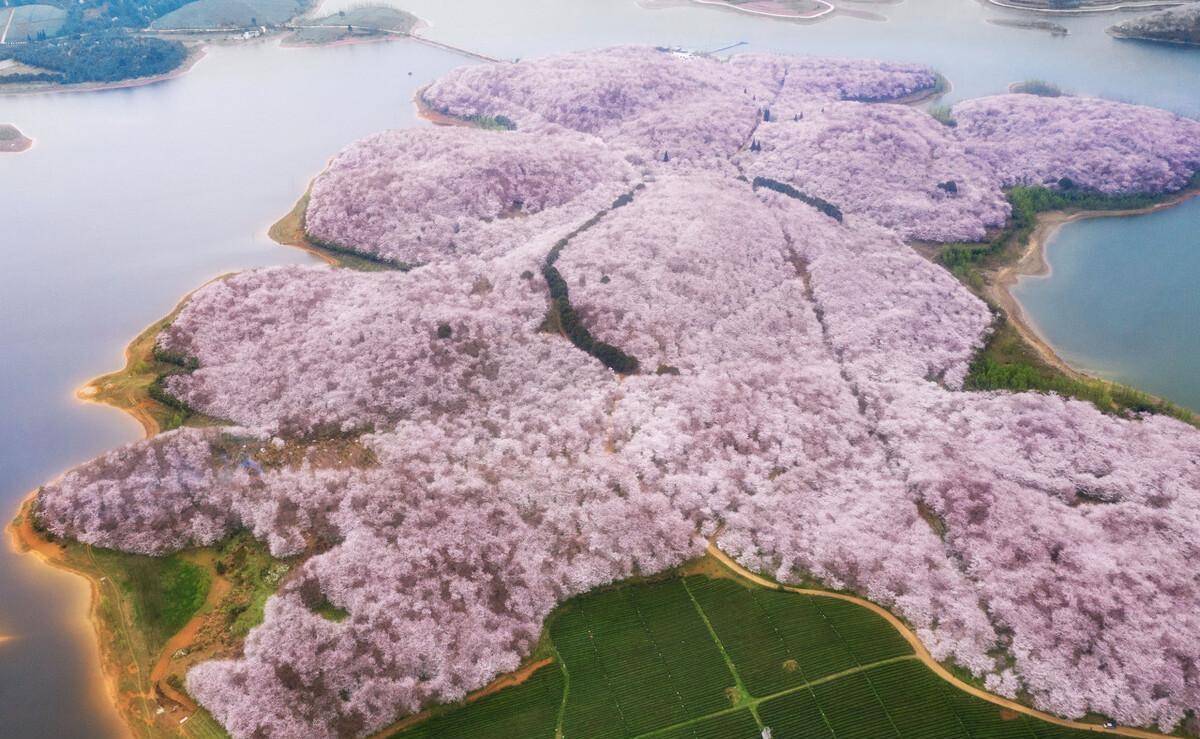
{"x":1121,"y":299}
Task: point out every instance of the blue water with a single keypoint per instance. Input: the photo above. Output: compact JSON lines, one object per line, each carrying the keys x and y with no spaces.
{"x":1122,"y":299}
{"x":131,"y":198}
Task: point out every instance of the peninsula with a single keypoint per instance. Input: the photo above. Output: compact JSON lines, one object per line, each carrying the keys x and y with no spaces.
{"x":701,"y":385}
{"x":1173,"y":26}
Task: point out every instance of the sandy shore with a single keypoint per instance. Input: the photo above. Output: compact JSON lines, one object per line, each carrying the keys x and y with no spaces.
{"x":1032,"y":263}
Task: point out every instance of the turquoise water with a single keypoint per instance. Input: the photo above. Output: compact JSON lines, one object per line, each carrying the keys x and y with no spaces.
{"x":131,"y":198}
{"x":1122,"y":299}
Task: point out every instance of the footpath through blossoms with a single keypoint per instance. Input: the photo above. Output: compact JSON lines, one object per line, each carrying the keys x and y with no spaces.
{"x":730,"y":236}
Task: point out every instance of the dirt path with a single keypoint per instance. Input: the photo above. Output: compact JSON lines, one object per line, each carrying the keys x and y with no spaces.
{"x":144,"y":691}
{"x":183,"y":639}
{"x":924,"y":656}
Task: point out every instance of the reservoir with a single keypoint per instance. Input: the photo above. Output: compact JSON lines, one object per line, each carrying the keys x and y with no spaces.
{"x":131,"y":198}
{"x":1121,"y":299}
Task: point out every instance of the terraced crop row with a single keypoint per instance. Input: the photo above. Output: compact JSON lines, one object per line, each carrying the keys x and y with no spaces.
{"x":528,"y":710}
{"x":641,"y":661}
{"x":639,"y":658}
{"x":899,"y":699}
{"x":782,"y":640}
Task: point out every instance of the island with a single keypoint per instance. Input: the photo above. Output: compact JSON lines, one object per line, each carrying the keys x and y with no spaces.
{"x":1080,"y":7}
{"x":1054,"y":29}
{"x":693,"y":409}
{"x":362,"y":23}
{"x":786,"y":9}
{"x":1173,"y":26}
{"x":12,"y":140}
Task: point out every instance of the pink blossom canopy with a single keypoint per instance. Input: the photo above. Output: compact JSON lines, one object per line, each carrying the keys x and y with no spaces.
{"x":798,"y":397}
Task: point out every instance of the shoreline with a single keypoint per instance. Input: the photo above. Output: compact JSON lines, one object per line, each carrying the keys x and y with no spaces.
{"x":817,"y":15}
{"x":1151,"y":39}
{"x":196,"y":52}
{"x":1032,"y":257}
{"x":941,"y":89}
{"x":23,"y":540}
{"x":427,"y":113}
{"x":17,"y":145}
{"x":380,"y":37}
{"x":1134,"y":5}
{"x":136,"y":401}
{"x":1033,"y":263}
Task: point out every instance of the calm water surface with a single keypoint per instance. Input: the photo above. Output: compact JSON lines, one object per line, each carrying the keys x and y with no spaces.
{"x":131,"y":198}
{"x":1122,"y":301}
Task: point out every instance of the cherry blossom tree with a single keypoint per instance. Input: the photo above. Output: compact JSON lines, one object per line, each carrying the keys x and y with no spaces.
{"x":420,"y":196}
{"x":1096,"y":144}
{"x":797,"y":400}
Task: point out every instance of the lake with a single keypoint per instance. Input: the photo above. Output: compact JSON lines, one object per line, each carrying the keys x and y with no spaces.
{"x":131,"y":198}
{"x":1121,"y":300}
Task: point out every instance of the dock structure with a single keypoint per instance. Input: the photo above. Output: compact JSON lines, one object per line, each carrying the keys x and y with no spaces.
{"x":726,"y":48}
{"x":455,"y":49}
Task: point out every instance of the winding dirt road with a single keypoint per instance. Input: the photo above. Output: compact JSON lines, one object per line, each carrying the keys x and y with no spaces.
{"x":183,"y":639}
{"x":925,"y":657}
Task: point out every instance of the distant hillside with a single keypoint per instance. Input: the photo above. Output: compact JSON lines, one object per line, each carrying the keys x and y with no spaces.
{"x":213,"y":14}
{"x":1177,"y":26}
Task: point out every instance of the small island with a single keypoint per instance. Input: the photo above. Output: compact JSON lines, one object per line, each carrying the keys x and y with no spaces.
{"x":1054,"y":29}
{"x":1173,"y":26}
{"x":787,"y":9}
{"x":1084,"y":7}
{"x":363,"y":23}
{"x":793,"y":10}
{"x":12,"y":140}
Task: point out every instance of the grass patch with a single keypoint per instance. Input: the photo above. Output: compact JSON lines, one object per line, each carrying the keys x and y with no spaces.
{"x":330,"y":612}
{"x":943,"y":114}
{"x":697,"y":656}
{"x":487,"y":122}
{"x":33,"y":22}
{"x":213,"y":14}
{"x":138,"y":387}
{"x":163,"y":592}
{"x":1041,"y":88}
{"x":255,"y":576}
{"x":9,"y":132}
{"x":524,"y":711}
{"x":289,"y":231}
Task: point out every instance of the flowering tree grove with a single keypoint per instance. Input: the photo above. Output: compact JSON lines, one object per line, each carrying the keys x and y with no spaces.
{"x":798,"y":396}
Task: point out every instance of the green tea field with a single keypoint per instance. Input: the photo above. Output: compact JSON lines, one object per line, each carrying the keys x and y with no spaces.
{"x":702,"y":658}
